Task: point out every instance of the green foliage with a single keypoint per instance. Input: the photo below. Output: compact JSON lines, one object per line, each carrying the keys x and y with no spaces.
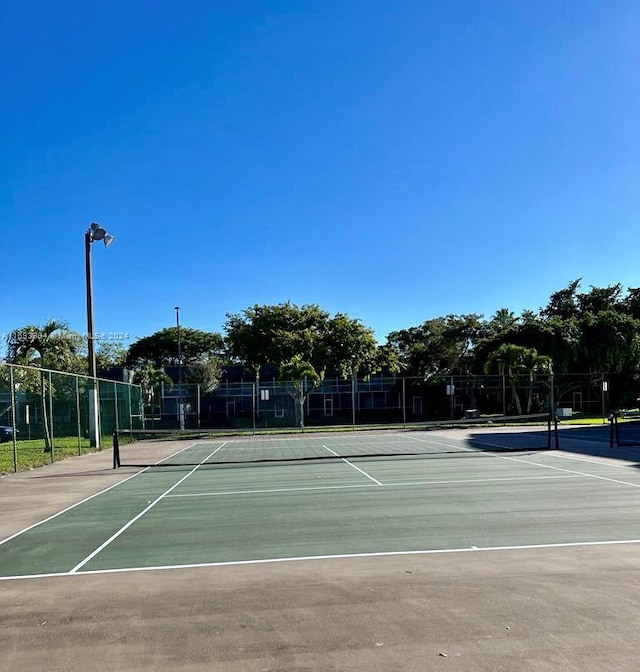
{"x":437,"y":346}
{"x":296,"y":369}
{"x":149,"y":378}
{"x":52,"y":346}
{"x":206,"y":373}
{"x":610,"y":342}
{"x":264,"y":335}
{"x":110,"y":354}
{"x":350,"y":347}
{"x":161,"y":348}
{"x":285,"y":333}
{"x":563,"y":303}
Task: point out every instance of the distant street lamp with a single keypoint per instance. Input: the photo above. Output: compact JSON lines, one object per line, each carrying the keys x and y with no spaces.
{"x":93,"y":233}
{"x":180,"y":409}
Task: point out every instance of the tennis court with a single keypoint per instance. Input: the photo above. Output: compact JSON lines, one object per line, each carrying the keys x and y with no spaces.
{"x":473,"y":497}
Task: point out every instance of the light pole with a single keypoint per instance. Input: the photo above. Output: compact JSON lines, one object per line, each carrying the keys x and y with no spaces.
{"x":93,"y":233}
{"x":180,"y":409}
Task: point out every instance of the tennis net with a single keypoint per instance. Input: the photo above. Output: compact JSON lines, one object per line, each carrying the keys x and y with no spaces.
{"x":143,"y":448}
{"x":625,"y":429}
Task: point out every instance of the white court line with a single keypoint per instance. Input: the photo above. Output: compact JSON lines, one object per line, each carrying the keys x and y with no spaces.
{"x":549,"y":453}
{"x":538,"y":464}
{"x":584,"y":459}
{"x":364,"y":473}
{"x":69,"y":508}
{"x":87,"y":499}
{"x":125,"y":527}
{"x":336,"y":556}
{"x":313,"y":488}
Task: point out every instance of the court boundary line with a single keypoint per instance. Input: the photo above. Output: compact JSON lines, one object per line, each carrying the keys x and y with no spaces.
{"x":69,"y":508}
{"x":89,"y":498}
{"x":539,"y":464}
{"x":127,"y":525}
{"x":569,"y":471}
{"x":346,"y":461}
{"x":314,"y":488}
{"x":582,"y":459}
{"x":335,"y":556}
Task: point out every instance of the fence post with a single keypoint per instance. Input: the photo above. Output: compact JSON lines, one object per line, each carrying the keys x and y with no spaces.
{"x":115,"y":406}
{"x":198,"y":404}
{"x":13,"y":419}
{"x":78,"y":426}
{"x":128,"y":388}
{"x":404,"y":402}
{"x":254,"y":402}
{"x":354,"y":393}
{"x":51,"y":424}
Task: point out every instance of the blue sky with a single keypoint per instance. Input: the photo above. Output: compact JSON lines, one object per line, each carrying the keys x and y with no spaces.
{"x":394,"y":161}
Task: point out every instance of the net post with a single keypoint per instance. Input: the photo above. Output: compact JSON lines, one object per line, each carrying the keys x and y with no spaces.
{"x":116,"y":449}
{"x":552,"y":429}
{"x":617,"y":427}
{"x":611,"y":430}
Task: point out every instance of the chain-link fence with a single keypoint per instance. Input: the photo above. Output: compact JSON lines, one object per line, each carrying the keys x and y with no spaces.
{"x":375,"y":400}
{"x":47,"y":415}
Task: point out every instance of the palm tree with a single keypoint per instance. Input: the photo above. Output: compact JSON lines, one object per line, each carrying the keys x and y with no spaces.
{"x":51,"y":346}
{"x":504,"y":320}
{"x":509,"y":359}
{"x":534,"y":364}
{"x":512,"y":360}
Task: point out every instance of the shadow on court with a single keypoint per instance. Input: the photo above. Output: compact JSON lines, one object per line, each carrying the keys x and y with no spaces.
{"x":594,"y":440}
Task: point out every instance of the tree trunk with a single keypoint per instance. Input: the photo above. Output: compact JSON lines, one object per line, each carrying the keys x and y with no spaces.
{"x":45,"y":415}
{"x":514,"y":392}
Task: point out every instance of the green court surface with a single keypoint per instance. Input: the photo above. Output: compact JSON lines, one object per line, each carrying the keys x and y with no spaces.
{"x":445,"y":502}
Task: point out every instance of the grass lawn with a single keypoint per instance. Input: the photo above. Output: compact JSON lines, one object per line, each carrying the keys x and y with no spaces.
{"x":31,"y":453}
{"x":584,"y":420}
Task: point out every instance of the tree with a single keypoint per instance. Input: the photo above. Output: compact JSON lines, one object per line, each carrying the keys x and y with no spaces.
{"x":205,"y":373}
{"x":149,"y":378}
{"x":110,"y":354}
{"x":52,"y":345}
{"x":263,"y":335}
{"x":503,"y":320}
{"x":563,"y":303}
{"x":444,"y":345}
{"x":599,"y":299}
{"x":161,"y":348}
{"x":387,"y":358}
{"x":631,"y":303}
{"x":610,"y":342}
{"x":534,"y":364}
{"x":302,"y":378}
{"x":510,"y":361}
{"x":350,"y":347}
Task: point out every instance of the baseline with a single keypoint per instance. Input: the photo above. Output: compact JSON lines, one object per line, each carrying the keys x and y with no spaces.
{"x":337,"y":556}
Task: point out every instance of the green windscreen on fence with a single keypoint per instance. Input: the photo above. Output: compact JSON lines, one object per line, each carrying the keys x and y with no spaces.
{"x":49,"y":415}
